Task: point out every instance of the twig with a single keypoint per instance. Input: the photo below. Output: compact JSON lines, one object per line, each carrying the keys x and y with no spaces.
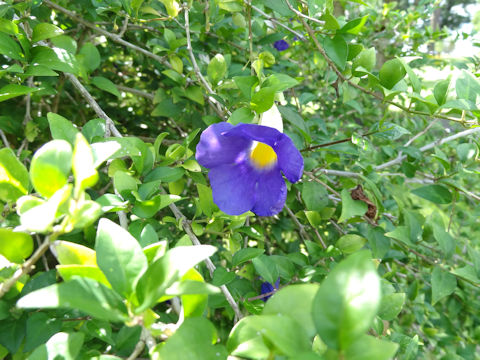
{"x":349,"y":139}
{"x":216,"y":106}
{"x":136,"y":92}
{"x":275,"y":21}
{"x":124,"y":26}
{"x":138,"y":350}
{"x":410,"y":141}
{"x":429,"y":146}
{"x":110,"y":126}
{"x":44,"y":259}
{"x":210,"y":266}
{"x":26,"y":267}
{"x":301,"y":228}
{"x":4,"y":138}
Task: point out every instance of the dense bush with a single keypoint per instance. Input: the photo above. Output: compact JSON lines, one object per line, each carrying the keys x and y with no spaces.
{"x":114,"y":241}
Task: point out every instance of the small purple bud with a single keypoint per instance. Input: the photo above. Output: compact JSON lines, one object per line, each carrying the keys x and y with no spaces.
{"x":281,"y":45}
{"x":267,"y":287}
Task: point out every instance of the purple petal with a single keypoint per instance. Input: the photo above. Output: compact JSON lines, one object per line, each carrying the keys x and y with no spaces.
{"x":233,"y":187}
{"x":215,"y":149}
{"x":281,"y":45}
{"x":266,"y":288}
{"x":270,"y":193}
{"x":289,"y":159}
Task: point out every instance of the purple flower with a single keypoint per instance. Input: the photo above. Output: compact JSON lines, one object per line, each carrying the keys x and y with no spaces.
{"x":246,"y":162}
{"x":281,"y":45}
{"x":267,"y":287}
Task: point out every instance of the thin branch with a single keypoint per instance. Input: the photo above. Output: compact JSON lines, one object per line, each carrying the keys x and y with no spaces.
{"x":216,"y":105}
{"x":25,"y":268}
{"x":275,"y":21}
{"x":141,"y":93}
{"x":124,"y":26}
{"x":110,"y":126}
{"x":4,"y":139}
{"x":399,"y":159}
{"x":301,"y":228}
{"x":410,"y":141}
{"x":210,"y":266}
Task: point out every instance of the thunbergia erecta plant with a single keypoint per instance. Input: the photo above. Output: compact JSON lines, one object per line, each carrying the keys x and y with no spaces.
{"x":246,"y":163}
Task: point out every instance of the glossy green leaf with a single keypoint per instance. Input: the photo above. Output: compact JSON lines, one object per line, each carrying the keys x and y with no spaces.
{"x":246,"y":254}
{"x":194,"y":340}
{"x":347,"y":301}
{"x":13,"y":90}
{"x":350,"y":207}
{"x":262,"y":100}
{"x":370,"y":348}
{"x":165,"y":271}
{"x":443,"y":284}
{"x":336,"y":50}
{"x":391,"y":73}
{"x":217,"y":68}
{"x":106,"y":85}
{"x":391,"y":306}
{"x":51,"y":166}
{"x":437,"y":194}
{"x":14,"y":180}
{"x":15,"y":246}
{"x":10,"y":48}
{"x":294,"y":301}
{"x":119,"y":256}
{"x":81,"y":294}
{"x":314,"y":196}
{"x":266,"y":268}
{"x":69,"y":253}
{"x":62,"y":345}
{"x":83,"y":166}
{"x":351,"y":243}
{"x":43,"y":31}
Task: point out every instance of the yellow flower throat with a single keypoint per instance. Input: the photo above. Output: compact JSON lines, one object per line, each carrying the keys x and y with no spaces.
{"x":263,"y":156}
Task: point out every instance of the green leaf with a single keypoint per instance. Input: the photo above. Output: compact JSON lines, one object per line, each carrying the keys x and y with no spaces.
{"x":40,"y":328}
{"x":253,"y":335}
{"x":437,"y":194}
{"x":221,"y":276}
{"x":13,"y":176}
{"x":195,"y":93}
{"x":391,"y":73}
{"x":65,"y":346}
{"x":336,"y":50}
{"x":148,"y":208}
{"x":119,"y":256}
{"x":242,"y":115}
{"x":280,"y":82}
{"x":41,"y":218}
{"x":230,"y":5}
{"x":13,"y":90}
{"x":55,"y":59}
{"x":43,"y":31}
{"x":266,"y":268}
{"x":355,"y":26}
{"x":217,"y":68}
{"x":15,"y":246}
{"x":414,"y":80}
{"x":193,"y":340}
{"x":262,"y":100}
{"x":314,"y":196}
{"x":83,"y":294}
{"x":206,"y":199}
{"x":8,"y":27}
{"x":93,"y":128}
{"x":443,"y":284}
{"x":62,"y":128}
{"x":69,"y":272}
{"x":246,"y":254}
{"x":89,"y":56}
{"x":294,"y":301}
{"x":10,"y":48}
{"x":172,"y":7}
{"x":350,"y":207}
{"x":83,"y":164}
{"x":347,"y":301}
{"x":68,"y":253}
{"x":106,"y":85}
{"x":65,"y":42}
{"x":162,"y":273}
{"x":351,"y":243}
{"x":165,"y":174}
{"x":366,"y":59}
{"x":370,"y":348}
{"x":39,"y":70}
{"x":51,"y":166}
{"x":440,"y":91}
{"x":445,"y":240}
{"x":391,"y":306}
